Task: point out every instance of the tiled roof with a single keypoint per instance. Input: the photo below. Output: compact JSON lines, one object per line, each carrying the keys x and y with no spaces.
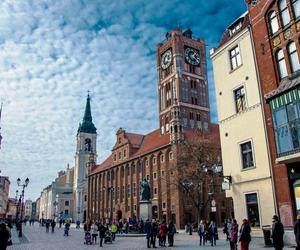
{"x":227,"y":36}
{"x":153,"y":141}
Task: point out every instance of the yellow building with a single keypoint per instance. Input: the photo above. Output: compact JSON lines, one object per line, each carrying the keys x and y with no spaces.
{"x":242,"y":127}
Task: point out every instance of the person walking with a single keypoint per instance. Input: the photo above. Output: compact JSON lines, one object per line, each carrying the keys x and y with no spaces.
{"x":94,"y":229}
{"x":53,"y":224}
{"x":171,"y":231}
{"x":153,"y":232}
{"x":277,"y":233}
{"x":147,"y":229}
{"x":234,"y":229}
{"x":102,"y":230}
{"x":4,"y":236}
{"x":201,"y":232}
{"x":213,"y":232}
{"x":47,"y":226}
{"x":114,"y":229}
{"x":163,"y":233}
{"x":245,"y":236}
{"x":67,"y":228}
{"x":297,"y":232}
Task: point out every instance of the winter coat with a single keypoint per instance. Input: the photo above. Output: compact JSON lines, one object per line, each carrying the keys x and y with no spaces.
{"x":171,"y":229}
{"x":245,"y":233}
{"x":4,"y":236}
{"x":297,"y":231}
{"x":154,"y":229}
{"x":147,"y":228}
{"x":163,"y":230}
{"x":234,"y":229}
{"x":102,"y":230}
{"x":277,"y":234}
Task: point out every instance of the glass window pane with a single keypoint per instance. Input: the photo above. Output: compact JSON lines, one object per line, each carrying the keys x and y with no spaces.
{"x":280,"y":117}
{"x":252,"y":210}
{"x":296,"y":8}
{"x":285,"y":16}
{"x":282,"y":4}
{"x":273,"y":22}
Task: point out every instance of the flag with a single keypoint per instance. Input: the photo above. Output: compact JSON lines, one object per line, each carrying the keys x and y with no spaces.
{"x":0,"y":125}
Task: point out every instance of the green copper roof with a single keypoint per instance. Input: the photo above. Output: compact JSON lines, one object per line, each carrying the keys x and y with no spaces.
{"x":87,"y":125}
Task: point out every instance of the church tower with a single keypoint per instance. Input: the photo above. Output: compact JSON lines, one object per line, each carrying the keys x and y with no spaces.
{"x":85,"y":153}
{"x":182,"y":84}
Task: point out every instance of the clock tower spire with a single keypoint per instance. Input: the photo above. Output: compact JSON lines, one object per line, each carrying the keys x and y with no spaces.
{"x":182,"y":84}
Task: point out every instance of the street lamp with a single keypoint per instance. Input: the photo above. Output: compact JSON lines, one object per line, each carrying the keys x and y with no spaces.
{"x":21,"y":201}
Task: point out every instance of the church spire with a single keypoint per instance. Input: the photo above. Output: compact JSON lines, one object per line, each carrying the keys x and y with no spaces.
{"x":87,"y":125}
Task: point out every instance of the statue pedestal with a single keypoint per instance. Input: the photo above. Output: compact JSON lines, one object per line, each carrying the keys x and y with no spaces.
{"x":145,"y":210}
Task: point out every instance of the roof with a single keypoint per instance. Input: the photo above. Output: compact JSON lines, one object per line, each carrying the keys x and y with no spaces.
{"x":227,"y":36}
{"x":153,"y":141}
{"x":87,"y":125}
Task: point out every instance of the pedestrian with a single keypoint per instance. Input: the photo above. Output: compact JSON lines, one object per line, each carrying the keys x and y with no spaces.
{"x":163,"y":233}
{"x":120,"y":226}
{"x":94,"y":230}
{"x":53,"y":224}
{"x":102,"y":229}
{"x":67,"y":228}
{"x":171,"y":232}
{"x":47,"y":226}
{"x":225,"y":229}
{"x":297,"y":232}
{"x":245,"y":236}
{"x":153,"y":232}
{"x":234,"y":229}
{"x":277,"y":233}
{"x":114,"y":230}
{"x":147,"y":229}
{"x":78,"y":224}
{"x":4,"y":236}
{"x":213,"y":232}
{"x":201,"y":232}
{"x":60,"y":223}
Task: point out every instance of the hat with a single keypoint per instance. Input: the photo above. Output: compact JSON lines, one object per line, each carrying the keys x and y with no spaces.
{"x":275,"y":217}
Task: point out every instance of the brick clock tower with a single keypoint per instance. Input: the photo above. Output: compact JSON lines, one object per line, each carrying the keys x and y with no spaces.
{"x":182,"y":84}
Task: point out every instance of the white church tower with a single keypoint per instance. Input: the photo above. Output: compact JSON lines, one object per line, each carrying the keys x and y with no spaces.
{"x":85,"y":154}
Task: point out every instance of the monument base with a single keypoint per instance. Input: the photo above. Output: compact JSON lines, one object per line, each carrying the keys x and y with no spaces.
{"x":145,"y":210}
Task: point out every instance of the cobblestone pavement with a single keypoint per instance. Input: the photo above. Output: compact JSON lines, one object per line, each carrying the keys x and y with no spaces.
{"x":40,"y":240}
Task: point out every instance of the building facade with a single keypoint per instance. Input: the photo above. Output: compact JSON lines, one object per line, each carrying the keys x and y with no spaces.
{"x":4,"y":192}
{"x":28,"y":209}
{"x":276,"y":31}
{"x":244,"y":151}
{"x":114,"y":185}
{"x":12,"y":208}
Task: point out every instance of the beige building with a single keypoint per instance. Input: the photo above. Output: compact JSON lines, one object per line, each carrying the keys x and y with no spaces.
{"x":242,"y":128}
{"x":28,"y":209}
{"x":4,"y":191}
{"x":56,"y":200}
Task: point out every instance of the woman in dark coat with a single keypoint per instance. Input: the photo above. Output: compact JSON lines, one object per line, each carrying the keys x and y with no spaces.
{"x":4,"y":236}
{"x":277,"y":233}
{"x":297,"y":232}
{"x":245,"y":236}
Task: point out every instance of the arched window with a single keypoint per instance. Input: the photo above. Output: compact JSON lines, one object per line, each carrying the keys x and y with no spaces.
{"x":284,"y":13}
{"x":87,"y":145}
{"x":281,"y":64}
{"x":273,"y":22}
{"x":293,"y":55}
{"x":296,"y":8}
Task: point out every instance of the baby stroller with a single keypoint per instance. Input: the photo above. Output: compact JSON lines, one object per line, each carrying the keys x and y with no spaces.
{"x":88,"y":238}
{"x":108,"y":237}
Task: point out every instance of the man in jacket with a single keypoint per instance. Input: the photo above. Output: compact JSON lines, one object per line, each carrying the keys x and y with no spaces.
{"x":277,"y":233}
{"x":147,"y":229}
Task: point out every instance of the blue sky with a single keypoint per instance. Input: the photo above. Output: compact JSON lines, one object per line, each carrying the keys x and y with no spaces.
{"x":52,"y":52}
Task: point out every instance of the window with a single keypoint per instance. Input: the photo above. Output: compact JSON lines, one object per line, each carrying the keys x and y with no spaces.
{"x":235,"y":57}
{"x":67,"y":203}
{"x":252,"y":209}
{"x":294,"y":60}
{"x":88,"y":145}
{"x":128,"y":190}
{"x":171,"y":155}
{"x":235,"y":28}
{"x":162,"y":158}
{"x":273,"y":22}
{"x":185,"y":90}
{"x":281,"y":64}
{"x":124,"y":152}
{"x":202,"y":94}
{"x":296,"y":8}
{"x":155,"y":190}
{"x":134,"y":189}
{"x":154,"y":176}
{"x":85,"y":198}
{"x":247,"y":155}
{"x":191,"y":116}
{"x":120,"y":155}
{"x":134,"y":207}
{"x":147,"y":163}
{"x":148,"y":177}
{"x":284,"y":13}
{"x":66,"y":211}
{"x":115,"y":157}
{"x":164,"y":205}
{"x":162,"y":173}
{"x":239,"y":99}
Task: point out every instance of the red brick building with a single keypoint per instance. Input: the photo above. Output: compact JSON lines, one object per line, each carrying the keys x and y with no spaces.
{"x":114,"y":185}
{"x":276,"y":32}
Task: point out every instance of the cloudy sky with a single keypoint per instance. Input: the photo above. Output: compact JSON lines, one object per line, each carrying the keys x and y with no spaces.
{"x":52,"y":52}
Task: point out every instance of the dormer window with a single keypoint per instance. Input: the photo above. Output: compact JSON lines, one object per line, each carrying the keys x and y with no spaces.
{"x":235,"y":28}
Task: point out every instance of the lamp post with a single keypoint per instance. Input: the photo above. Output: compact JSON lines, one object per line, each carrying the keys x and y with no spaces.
{"x":21,"y":201}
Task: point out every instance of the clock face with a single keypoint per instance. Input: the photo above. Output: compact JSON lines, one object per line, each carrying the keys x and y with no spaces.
{"x":166,"y":59}
{"x":192,"y":56}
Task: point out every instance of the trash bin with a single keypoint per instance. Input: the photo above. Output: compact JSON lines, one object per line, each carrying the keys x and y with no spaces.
{"x":267,"y":235}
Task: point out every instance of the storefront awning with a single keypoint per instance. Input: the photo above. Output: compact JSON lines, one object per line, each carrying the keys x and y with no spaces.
{"x":284,"y":99}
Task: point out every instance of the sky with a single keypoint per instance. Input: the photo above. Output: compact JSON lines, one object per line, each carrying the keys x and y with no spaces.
{"x":52,"y":52}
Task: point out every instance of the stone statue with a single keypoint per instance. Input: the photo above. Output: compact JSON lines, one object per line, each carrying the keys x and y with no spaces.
{"x":145,"y":190}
